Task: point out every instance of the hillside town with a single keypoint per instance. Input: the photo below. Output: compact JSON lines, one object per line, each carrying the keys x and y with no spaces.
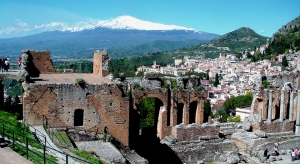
{"x":236,"y":76}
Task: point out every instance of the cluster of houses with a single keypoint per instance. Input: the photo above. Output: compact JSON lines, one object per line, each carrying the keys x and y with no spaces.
{"x":236,"y":77}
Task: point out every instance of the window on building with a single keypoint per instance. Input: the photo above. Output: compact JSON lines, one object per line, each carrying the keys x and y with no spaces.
{"x":78,"y":117}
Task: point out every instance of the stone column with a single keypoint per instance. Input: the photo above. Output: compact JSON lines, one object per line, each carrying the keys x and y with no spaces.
{"x":259,"y":115}
{"x":291,"y":105}
{"x":281,"y":105}
{"x":270,"y":106}
{"x":297,"y":126}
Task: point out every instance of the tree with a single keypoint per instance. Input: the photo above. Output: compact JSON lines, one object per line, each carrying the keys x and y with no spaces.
{"x":207,"y":111}
{"x":284,"y":62}
{"x":216,"y":82}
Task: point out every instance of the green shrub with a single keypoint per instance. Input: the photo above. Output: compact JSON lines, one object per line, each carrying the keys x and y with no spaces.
{"x":137,"y":86}
{"x":234,"y":119}
{"x":80,"y":81}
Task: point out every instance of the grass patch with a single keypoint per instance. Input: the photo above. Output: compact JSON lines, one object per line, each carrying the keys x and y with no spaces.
{"x":234,"y":119}
{"x":61,"y":138}
{"x":87,"y":155}
{"x":33,"y":155}
{"x":14,"y":129}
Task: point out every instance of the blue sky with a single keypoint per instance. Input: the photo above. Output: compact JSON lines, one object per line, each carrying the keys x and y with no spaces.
{"x":20,"y":17}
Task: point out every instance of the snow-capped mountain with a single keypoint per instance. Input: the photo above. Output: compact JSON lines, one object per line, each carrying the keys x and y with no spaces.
{"x":129,"y":22}
{"x":120,"y":32}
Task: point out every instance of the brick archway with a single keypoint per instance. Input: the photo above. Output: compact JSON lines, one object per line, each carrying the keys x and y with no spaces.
{"x":162,"y":121}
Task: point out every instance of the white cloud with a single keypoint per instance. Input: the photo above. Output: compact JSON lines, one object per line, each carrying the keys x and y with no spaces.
{"x":262,"y":31}
{"x":19,"y":23}
{"x":23,"y":27}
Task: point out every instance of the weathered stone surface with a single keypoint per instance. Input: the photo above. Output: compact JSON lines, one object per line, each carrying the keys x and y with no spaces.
{"x":278,"y":158}
{"x":222,"y":157}
{"x":260,"y":133}
{"x":247,"y":124}
{"x":232,"y":157}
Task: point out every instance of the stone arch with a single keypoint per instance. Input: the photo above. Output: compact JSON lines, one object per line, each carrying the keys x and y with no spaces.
{"x":162,"y":117}
{"x":78,"y":117}
{"x":155,"y":96}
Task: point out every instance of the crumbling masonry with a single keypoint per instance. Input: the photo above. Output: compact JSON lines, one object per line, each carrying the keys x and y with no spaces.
{"x":55,"y":98}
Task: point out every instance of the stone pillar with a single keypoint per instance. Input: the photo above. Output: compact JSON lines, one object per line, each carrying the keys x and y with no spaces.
{"x":270,"y":106}
{"x":259,"y":115}
{"x":97,"y":63}
{"x":291,"y":105}
{"x":185,"y":114}
{"x":297,"y":126}
{"x":281,"y":105}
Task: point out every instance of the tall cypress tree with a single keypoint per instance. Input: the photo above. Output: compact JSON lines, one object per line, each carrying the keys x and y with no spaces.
{"x":284,"y":62}
{"x":216,"y":82}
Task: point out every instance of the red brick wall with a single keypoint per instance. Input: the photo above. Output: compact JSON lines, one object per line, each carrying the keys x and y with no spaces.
{"x":193,"y":132}
{"x":274,"y":126}
{"x":42,"y":61}
{"x":97,"y":63}
{"x":103,"y":105}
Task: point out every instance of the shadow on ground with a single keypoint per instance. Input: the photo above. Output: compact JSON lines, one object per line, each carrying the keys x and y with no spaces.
{"x":148,"y":146}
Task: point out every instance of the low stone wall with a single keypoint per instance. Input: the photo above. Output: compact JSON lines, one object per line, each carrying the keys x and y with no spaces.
{"x":194,"y":132}
{"x":275,"y":126}
{"x":205,"y":150}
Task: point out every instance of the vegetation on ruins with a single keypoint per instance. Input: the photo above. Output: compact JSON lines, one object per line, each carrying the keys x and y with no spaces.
{"x":164,"y":83}
{"x":91,"y":157}
{"x":80,"y":81}
{"x":174,"y":85}
{"x":137,"y":86}
{"x":147,"y":112}
{"x":265,"y":83}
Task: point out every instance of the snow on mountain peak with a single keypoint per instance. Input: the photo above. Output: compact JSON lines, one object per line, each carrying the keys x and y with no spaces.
{"x":129,"y":22}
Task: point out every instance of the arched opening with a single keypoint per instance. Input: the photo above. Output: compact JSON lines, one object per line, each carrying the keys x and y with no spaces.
{"x":180,"y":113}
{"x":78,"y":117}
{"x":192,"y":112}
{"x":143,"y":132}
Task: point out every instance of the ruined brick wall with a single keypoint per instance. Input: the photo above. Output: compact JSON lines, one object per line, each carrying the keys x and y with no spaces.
{"x":194,"y":132}
{"x":103,"y":105}
{"x":105,"y":63}
{"x":275,"y":126}
{"x":42,"y":61}
{"x":191,"y":152}
{"x":97,"y":63}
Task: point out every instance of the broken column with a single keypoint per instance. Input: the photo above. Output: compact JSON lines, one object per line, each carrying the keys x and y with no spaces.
{"x":270,"y":106}
{"x":297,"y":126}
{"x":259,"y":115}
{"x":291,"y":105}
{"x":281,"y":104}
